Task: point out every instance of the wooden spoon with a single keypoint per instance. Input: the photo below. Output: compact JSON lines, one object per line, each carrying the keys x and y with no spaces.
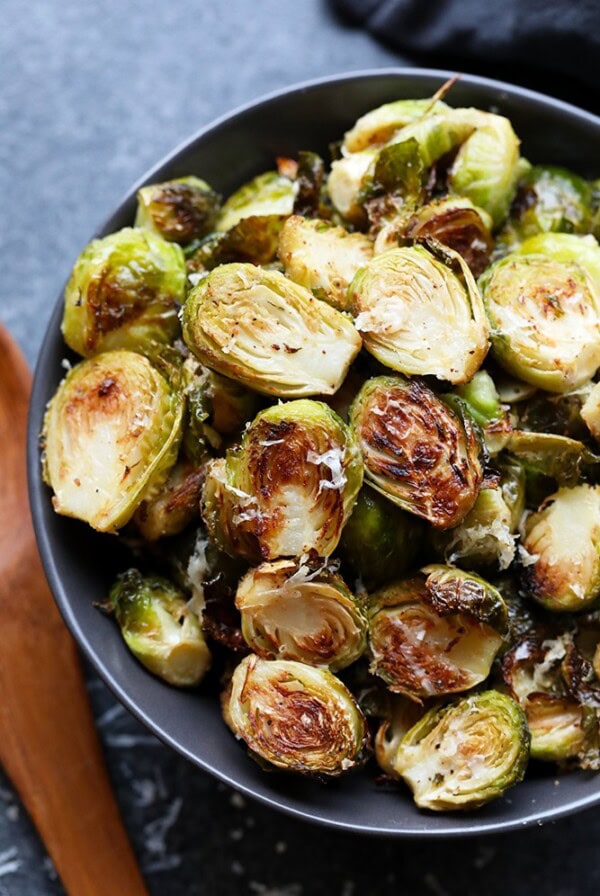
{"x":48,"y":743}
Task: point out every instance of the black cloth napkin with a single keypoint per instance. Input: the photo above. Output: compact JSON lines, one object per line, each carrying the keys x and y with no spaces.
{"x":551,"y":45}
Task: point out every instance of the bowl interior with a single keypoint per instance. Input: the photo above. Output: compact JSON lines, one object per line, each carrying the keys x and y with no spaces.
{"x":81,"y":564}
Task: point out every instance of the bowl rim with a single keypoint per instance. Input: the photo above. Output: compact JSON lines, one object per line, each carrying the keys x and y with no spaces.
{"x":37,"y":496}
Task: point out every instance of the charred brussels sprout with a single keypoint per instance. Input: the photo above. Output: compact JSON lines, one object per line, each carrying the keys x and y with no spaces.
{"x":179,"y":210}
{"x":296,"y":717}
{"x":111,"y":434}
{"x":253,"y":239}
{"x":549,"y":199}
{"x":544,"y":308}
{"x":560,"y":727}
{"x":124,"y":292}
{"x":290,"y":486}
{"x":417,"y":451}
{"x":291,"y":612}
{"x":454,"y":221}
{"x":485,"y":537}
{"x":435,"y":633}
{"x":323,"y":257}
{"x":465,"y":754}
{"x":486,"y":167}
{"x":159,"y":628}
{"x":417,"y":316}
{"x":380,"y":541}
{"x":269,"y":333}
{"x":174,"y":505}
{"x":562,"y":541}
{"x":268,"y":194}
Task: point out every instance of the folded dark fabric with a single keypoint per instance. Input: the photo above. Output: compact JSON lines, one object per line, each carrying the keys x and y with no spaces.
{"x":558,"y":37}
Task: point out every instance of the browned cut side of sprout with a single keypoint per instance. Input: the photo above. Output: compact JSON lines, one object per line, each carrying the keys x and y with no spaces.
{"x":417,"y":451}
{"x":174,"y":505}
{"x":296,"y":717}
{"x":292,"y":612}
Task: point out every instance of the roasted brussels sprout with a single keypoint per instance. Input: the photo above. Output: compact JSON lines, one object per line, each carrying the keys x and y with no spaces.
{"x":291,"y":612}
{"x":323,"y":257}
{"x":486,"y":167}
{"x":558,"y":457}
{"x":562,"y":541}
{"x":174,"y":505}
{"x":548,"y":199}
{"x":416,"y":450}
{"x":268,"y":194}
{"x":465,"y":754}
{"x":124,"y":292}
{"x":544,"y":308}
{"x":590,"y":412}
{"x":380,"y":541}
{"x":485,"y":537}
{"x":379,"y":126}
{"x":159,"y":628}
{"x":435,"y":633}
{"x":554,"y":413}
{"x":111,"y":434}
{"x":452,"y":220}
{"x":417,"y":316}
{"x":401,"y":717}
{"x":296,"y":717}
{"x":309,"y":182}
{"x":216,"y":407}
{"x":179,"y":210}
{"x":345,"y":183}
{"x":481,"y":397}
{"x":269,"y":333}
{"x":560,"y":727}
{"x":253,"y":239}
{"x":290,"y":486}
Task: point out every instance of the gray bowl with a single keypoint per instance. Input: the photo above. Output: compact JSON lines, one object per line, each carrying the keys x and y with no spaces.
{"x":81,"y":564}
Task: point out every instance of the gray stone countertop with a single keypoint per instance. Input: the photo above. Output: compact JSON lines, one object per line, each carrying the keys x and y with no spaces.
{"x":91,"y":94}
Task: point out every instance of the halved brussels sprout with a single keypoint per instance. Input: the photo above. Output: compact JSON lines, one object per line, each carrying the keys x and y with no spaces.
{"x":174,"y":505}
{"x":417,"y":451}
{"x":380,"y":541}
{"x":345,"y":183}
{"x":555,"y":413}
{"x":485,"y":537}
{"x":465,"y":754}
{"x":111,"y":434}
{"x":563,"y":542}
{"x":559,"y":457}
{"x":124,"y":292}
{"x":548,"y":199}
{"x":179,"y":210}
{"x":486,"y":167}
{"x":253,"y":239}
{"x":402,"y":715}
{"x":590,"y":412}
{"x":323,"y":257}
{"x":269,"y":333}
{"x":559,"y":725}
{"x":436,"y":633}
{"x":481,"y":398}
{"x":417,"y":316}
{"x":453,"y":220}
{"x":290,"y":486}
{"x":291,"y":612}
{"x":544,"y":308}
{"x":296,"y":717}
{"x":216,"y":406}
{"x":159,"y":628}
{"x":379,"y":125}
{"x":267,"y":194}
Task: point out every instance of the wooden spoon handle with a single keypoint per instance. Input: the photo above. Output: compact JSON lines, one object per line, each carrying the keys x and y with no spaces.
{"x":48,"y":742}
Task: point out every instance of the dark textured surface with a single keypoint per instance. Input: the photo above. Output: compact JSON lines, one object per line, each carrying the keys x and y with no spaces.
{"x":90,"y":97}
